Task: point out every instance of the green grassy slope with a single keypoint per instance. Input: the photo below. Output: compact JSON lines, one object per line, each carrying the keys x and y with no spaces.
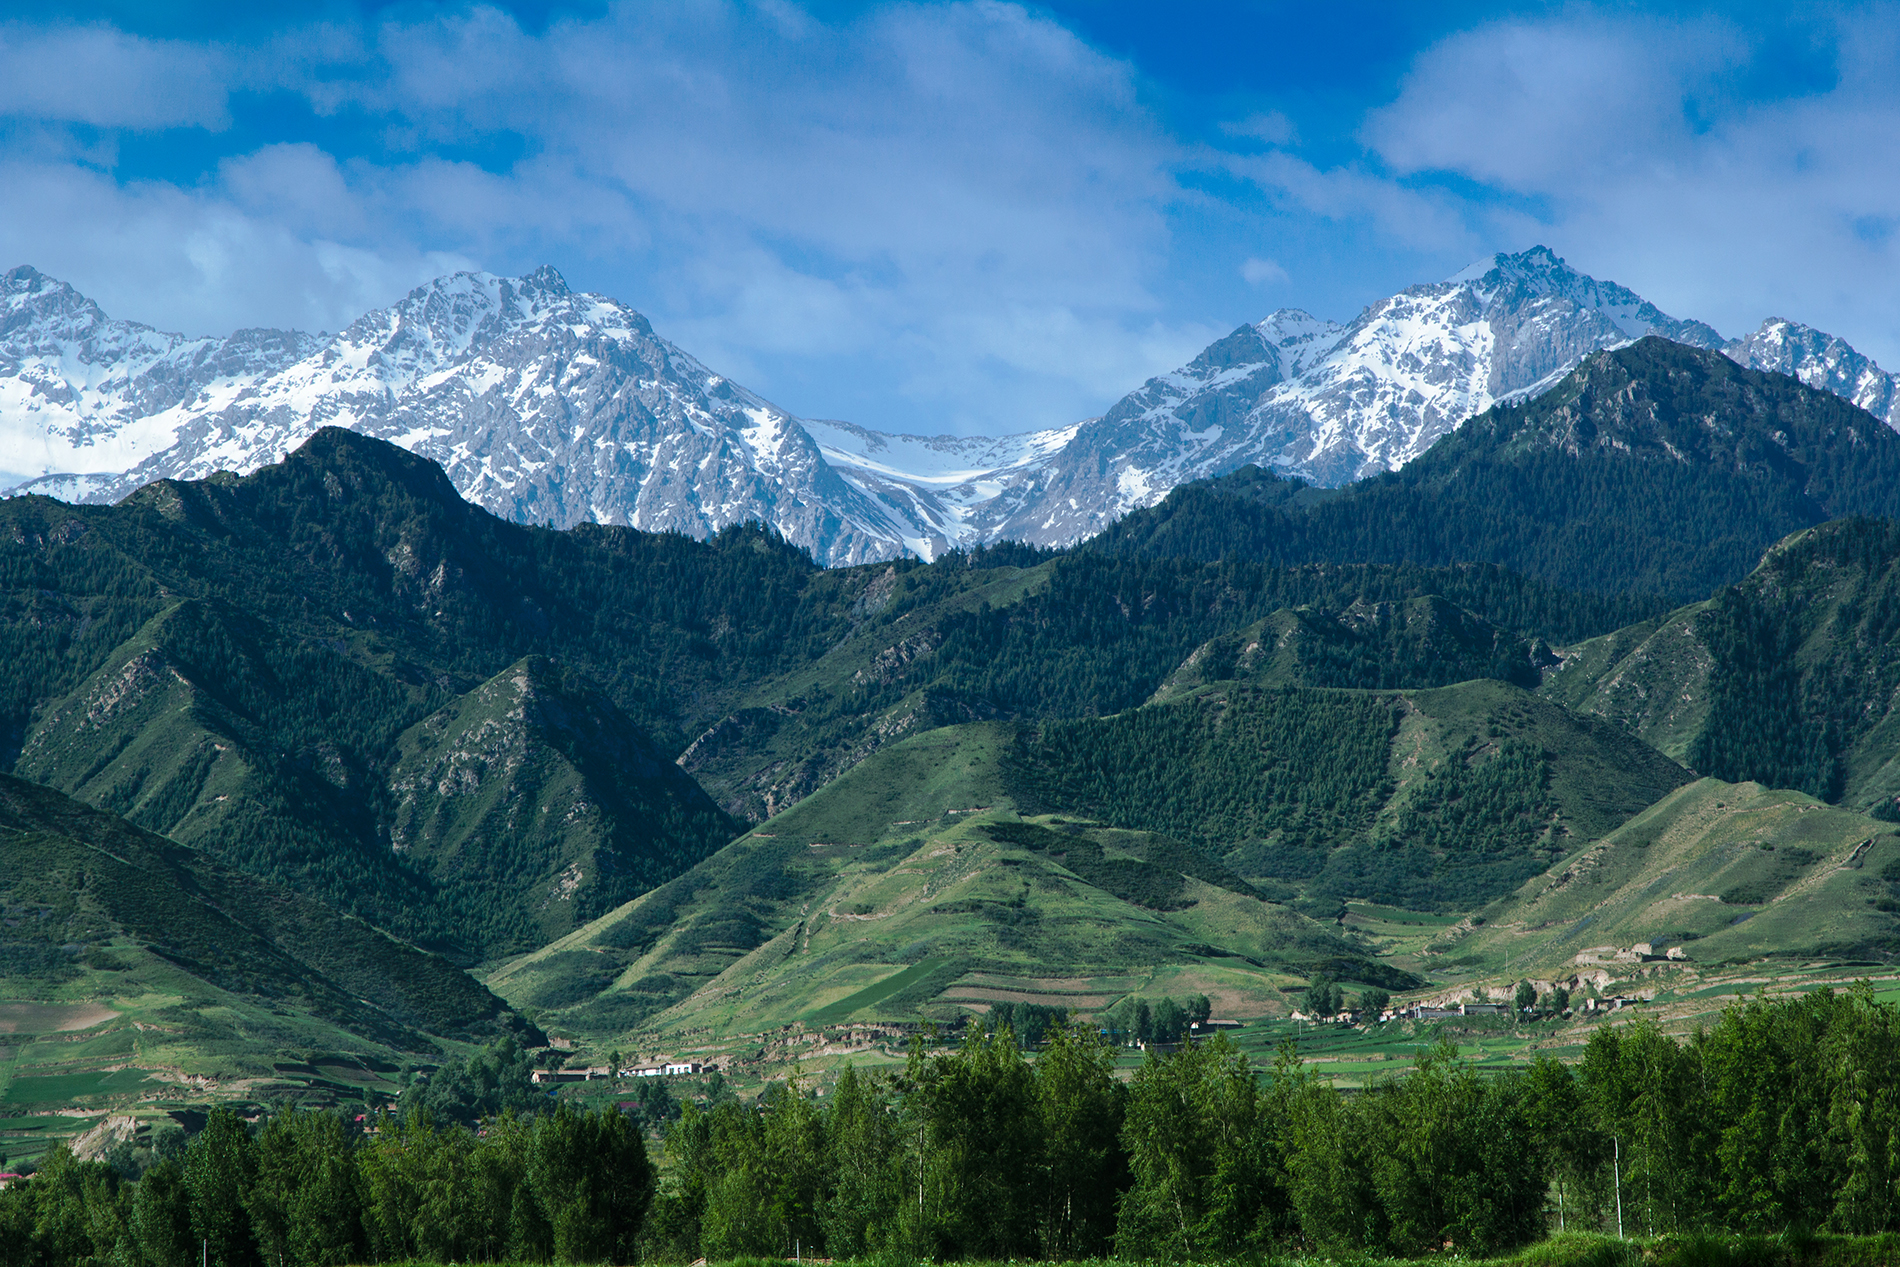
{"x":1787,"y":678}
{"x":1079,"y":861}
{"x":1727,"y":873}
{"x":909,"y":887}
{"x":1651,"y":678}
{"x":147,"y":955}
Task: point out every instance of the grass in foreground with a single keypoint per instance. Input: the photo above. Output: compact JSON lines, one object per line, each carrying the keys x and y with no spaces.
{"x":1572,"y":1249}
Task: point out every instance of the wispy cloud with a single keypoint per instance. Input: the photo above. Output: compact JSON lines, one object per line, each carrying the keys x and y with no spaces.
{"x":931,"y":192}
{"x":1647,"y":151}
{"x":1259,"y":272}
{"x":99,"y":76}
{"x":954,"y":216}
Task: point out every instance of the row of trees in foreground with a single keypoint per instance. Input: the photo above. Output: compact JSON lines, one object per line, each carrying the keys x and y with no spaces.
{"x":1785,"y":1114}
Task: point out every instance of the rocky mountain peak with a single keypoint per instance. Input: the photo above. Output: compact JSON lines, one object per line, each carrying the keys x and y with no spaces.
{"x":1820,"y":360}
{"x":41,"y":315}
{"x":546,"y":278}
{"x":545,"y":404}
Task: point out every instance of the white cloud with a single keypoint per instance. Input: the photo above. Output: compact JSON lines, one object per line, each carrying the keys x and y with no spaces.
{"x":1642,"y":160}
{"x":1422,"y":219}
{"x":195,"y":261}
{"x":96,"y":75}
{"x":1259,"y":272}
{"x":963,"y":202}
{"x":1528,"y":106}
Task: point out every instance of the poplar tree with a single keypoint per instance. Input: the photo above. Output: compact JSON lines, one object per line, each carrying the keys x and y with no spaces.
{"x":220,"y":1167}
{"x":1083,"y":1168}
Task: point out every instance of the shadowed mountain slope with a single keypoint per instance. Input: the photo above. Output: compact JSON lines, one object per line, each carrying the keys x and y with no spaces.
{"x":1788,"y":678}
{"x":534,"y":785}
{"x":246,"y":663}
{"x":1653,"y":468}
{"x":92,"y":898}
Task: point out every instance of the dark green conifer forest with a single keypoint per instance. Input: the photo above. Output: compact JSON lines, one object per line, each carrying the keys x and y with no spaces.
{"x":1613,"y":482}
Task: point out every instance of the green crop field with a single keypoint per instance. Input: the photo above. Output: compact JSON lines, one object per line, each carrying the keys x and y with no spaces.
{"x":60,"y":1088}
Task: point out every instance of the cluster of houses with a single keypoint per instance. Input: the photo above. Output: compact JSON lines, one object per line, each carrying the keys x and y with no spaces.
{"x":1452,"y":1011}
{"x":1614,"y":1004}
{"x":666,"y":1069}
{"x":1641,"y":952}
{"x":1196,"y":1032}
{"x":1444,"y":1011}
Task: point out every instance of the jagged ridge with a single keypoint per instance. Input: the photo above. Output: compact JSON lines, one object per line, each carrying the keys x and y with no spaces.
{"x":545,"y":405}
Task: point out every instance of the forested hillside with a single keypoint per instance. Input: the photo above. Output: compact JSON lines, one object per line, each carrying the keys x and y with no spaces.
{"x":235,"y":662}
{"x":308,"y":672}
{"x":207,"y":960}
{"x":1787,"y":678}
{"x":1652,"y":469}
{"x":1433,"y":799}
{"x":1082,"y":635}
{"x":1416,"y":642}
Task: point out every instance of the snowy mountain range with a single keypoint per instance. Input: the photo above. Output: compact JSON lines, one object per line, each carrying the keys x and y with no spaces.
{"x":546,"y":405}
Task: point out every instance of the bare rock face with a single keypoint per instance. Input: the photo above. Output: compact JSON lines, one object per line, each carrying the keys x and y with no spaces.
{"x":94,"y":1144}
{"x":1821,"y":361}
{"x":548,"y":406}
{"x":541,"y":805}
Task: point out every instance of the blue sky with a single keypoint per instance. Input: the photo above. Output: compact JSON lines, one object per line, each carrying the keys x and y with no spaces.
{"x":977,"y":218}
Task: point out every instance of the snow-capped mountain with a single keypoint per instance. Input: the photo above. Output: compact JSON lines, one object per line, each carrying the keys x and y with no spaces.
{"x":545,"y":405}
{"x":1333,"y":403}
{"x":541,"y":404}
{"x":1822,"y":361}
{"x":79,"y":392}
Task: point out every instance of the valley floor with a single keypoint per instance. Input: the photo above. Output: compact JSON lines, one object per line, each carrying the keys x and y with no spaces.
{"x":1679,"y":998}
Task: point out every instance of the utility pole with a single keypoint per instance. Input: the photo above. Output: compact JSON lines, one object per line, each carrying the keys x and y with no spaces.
{"x":1616,"y":1168}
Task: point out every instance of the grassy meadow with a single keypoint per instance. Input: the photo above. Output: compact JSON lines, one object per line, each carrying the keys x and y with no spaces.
{"x":1562,"y":1250}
